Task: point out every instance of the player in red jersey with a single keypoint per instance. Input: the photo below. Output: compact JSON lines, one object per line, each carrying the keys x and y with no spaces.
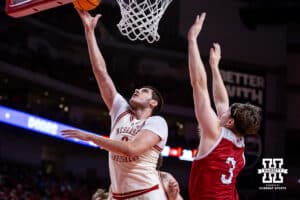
{"x":220,"y":155}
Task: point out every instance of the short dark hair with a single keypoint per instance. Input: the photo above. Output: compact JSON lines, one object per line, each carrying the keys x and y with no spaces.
{"x":247,"y":118}
{"x":158,"y":97}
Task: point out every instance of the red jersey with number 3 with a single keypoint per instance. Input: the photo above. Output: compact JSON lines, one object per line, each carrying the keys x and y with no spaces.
{"x":213,"y":175}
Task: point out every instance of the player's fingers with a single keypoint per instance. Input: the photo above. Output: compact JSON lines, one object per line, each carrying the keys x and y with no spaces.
{"x":197,"y":19}
{"x":77,"y":10}
{"x":98,"y":16}
{"x":202,"y":17}
{"x":80,"y":12}
{"x":211,"y":51}
{"x":67,"y":136}
{"x":217,"y":47}
{"x":68,"y":131}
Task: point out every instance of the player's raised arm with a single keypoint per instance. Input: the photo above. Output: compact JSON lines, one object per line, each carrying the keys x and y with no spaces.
{"x":221,"y":98}
{"x":105,"y":84}
{"x":206,"y":117}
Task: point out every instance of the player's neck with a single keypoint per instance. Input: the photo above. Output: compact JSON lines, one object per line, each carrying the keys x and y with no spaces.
{"x":233,"y":130}
{"x":142,"y":113}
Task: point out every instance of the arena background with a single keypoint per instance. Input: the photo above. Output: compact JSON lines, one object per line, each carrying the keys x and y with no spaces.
{"x":45,"y":71}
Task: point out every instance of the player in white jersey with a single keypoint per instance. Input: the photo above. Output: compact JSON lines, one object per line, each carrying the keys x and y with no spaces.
{"x":136,"y":171}
{"x":137,"y":137}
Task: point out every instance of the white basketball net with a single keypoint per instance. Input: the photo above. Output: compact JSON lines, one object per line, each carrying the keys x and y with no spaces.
{"x":140,"y":18}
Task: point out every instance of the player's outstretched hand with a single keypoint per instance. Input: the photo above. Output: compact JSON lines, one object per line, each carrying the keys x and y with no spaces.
{"x":215,"y":55}
{"x":88,"y":21}
{"x":72,"y":133}
{"x":196,"y":27}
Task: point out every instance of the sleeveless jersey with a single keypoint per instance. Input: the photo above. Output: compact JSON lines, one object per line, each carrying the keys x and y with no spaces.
{"x":133,"y":176}
{"x":213,"y":174}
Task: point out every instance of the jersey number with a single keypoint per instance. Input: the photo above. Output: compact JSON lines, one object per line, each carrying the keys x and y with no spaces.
{"x":232,"y":162}
{"x":124,"y":138}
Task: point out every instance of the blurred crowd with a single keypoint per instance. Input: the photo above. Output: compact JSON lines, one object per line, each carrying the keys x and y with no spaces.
{"x":23,"y":182}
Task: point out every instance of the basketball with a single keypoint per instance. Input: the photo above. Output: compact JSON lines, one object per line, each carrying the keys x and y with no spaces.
{"x":86,"y":4}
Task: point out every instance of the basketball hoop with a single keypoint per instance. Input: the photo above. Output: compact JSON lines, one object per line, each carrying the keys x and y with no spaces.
{"x":140,"y":18}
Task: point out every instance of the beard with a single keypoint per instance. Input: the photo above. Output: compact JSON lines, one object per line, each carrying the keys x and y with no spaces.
{"x":134,"y":104}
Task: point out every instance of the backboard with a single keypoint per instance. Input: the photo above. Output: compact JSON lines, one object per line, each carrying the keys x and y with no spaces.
{"x":20,"y":8}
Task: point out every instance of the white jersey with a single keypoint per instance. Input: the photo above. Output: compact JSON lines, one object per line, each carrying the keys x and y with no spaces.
{"x":135,"y":177}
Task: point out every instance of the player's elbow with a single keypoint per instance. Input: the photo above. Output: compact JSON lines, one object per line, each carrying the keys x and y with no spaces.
{"x":198,"y":83}
{"x":199,"y":87}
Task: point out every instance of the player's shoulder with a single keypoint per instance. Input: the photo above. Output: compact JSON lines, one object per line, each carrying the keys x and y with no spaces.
{"x":119,"y":97}
{"x":119,"y":102}
{"x":157,"y":118}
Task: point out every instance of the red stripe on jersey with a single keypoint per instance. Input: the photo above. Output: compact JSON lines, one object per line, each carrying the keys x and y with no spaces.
{"x":119,"y":117}
{"x":135,"y":193}
{"x":157,"y":148}
{"x":131,"y":117}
